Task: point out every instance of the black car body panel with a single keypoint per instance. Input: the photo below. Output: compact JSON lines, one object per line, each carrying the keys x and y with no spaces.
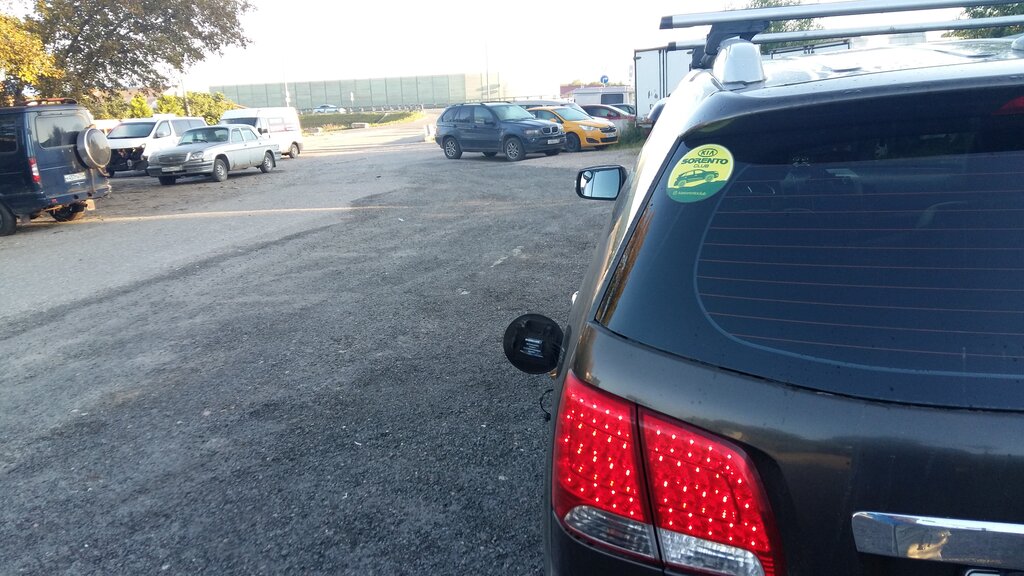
{"x":840,"y":304}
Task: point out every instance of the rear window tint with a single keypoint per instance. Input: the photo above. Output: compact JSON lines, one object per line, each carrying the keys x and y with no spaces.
{"x":891,"y":247}
{"x":54,"y":131}
{"x":8,"y":136}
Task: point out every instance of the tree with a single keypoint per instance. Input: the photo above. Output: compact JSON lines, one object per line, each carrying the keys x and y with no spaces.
{"x":107,"y":46}
{"x":23,"y":60}
{"x":786,"y":26}
{"x":139,"y":108}
{"x":992,"y":12}
{"x":210,"y":107}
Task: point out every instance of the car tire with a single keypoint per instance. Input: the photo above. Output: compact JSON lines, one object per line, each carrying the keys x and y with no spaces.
{"x":514,"y":151}
{"x":293,"y":150}
{"x":220,"y":170}
{"x":167,"y":180}
{"x":8,"y":222}
{"x":110,"y":173}
{"x":452,"y":150}
{"x":268,"y":163}
{"x":572,"y":143}
{"x":490,"y":154}
{"x":552,"y":152}
{"x":68,"y":213}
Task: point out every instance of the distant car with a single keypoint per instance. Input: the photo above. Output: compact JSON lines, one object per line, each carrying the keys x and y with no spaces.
{"x":627,"y":108}
{"x":581,"y":130}
{"x":51,"y":160}
{"x":493,"y":127}
{"x":214,"y":151}
{"x":134,"y":140}
{"x":613,"y":114}
{"x":527,"y":104}
{"x":328,"y":109}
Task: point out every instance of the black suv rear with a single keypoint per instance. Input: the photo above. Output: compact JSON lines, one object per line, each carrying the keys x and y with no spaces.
{"x":50,"y":160}
{"x":799,"y":348}
{"x":496,"y":127}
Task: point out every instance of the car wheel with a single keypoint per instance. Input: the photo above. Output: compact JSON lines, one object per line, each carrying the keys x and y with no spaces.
{"x":452,"y":150}
{"x":268,"y":163}
{"x":220,"y":170}
{"x":168,"y":180}
{"x":572,"y":143}
{"x":7,"y":221}
{"x":490,"y":154}
{"x":69,"y":213}
{"x":293,"y":151}
{"x":552,"y":152}
{"x":110,"y":173}
{"x":514,"y":149}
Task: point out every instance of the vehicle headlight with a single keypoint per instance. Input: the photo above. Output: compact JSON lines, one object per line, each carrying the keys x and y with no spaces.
{"x":195,"y":155}
{"x":532,"y":132}
{"x":589,"y":128}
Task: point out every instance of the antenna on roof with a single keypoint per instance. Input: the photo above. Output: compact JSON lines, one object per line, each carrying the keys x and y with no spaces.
{"x":748,"y":23}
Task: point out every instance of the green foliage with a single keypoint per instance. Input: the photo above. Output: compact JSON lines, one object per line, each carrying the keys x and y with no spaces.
{"x":169,"y":104}
{"x":632,"y":137}
{"x":108,"y":46}
{"x":992,"y":12}
{"x":210,"y":107}
{"x":23,"y":60}
{"x":113,"y":107}
{"x":139,"y":108}
{"x":787,"y":26}
{"x":343,"y":121}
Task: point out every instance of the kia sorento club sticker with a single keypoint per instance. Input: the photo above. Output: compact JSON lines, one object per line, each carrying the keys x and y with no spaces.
{"x":700,"y":174}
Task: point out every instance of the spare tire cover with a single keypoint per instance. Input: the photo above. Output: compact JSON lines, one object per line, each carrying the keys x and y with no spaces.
{"x":92,"y":148}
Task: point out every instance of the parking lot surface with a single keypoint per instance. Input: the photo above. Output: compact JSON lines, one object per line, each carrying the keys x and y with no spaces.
{"x":297,"y":372}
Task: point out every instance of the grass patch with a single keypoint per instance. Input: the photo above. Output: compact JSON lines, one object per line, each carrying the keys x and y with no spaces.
{"x":632,"y":137}
{"x":330,"y":122}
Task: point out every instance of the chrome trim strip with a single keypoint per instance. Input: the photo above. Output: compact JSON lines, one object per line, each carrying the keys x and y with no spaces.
{"x":968,"y":542}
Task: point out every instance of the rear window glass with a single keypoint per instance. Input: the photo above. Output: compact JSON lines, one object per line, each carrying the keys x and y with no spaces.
{"x":890,"y":246}
{"x":54,"y":131}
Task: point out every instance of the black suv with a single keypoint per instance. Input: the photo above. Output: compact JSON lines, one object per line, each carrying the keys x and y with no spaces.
{"x":799,"y":349}
{"x":496,"y":127}
{"x":50,"y":161}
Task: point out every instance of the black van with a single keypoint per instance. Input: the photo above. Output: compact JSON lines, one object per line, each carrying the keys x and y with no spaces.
{"x":50,"y":160}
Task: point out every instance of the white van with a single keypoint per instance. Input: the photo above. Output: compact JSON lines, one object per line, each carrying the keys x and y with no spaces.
{"x":279,"y":125}
{"x":134,"y":140}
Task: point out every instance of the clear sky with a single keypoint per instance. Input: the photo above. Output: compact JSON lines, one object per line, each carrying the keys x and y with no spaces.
{"x":534,"y":47}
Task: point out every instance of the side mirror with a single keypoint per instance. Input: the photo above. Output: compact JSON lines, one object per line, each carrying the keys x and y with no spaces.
{"x":600,"y":182}
{"x":264,"y":130}
{"x":533,"y":343}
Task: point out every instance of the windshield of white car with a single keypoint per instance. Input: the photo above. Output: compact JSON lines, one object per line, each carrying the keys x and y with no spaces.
{"x":200,"y":135}
{"x":132,"y":130}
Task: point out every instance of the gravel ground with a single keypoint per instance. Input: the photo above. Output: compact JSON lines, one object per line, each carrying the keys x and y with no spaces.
{"x":292,"y":373}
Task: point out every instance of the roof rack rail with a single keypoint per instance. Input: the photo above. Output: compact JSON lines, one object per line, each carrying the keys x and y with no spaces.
{"x":748,"y":23}
{"x":45,"y":101}
{"x":810,"y":35}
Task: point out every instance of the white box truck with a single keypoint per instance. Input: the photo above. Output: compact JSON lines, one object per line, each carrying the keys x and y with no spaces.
{"x":279,"y":125}
{"x":658,"y":72}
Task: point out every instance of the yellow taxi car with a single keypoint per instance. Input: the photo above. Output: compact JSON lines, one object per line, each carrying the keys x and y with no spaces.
{"x":581,"y":131}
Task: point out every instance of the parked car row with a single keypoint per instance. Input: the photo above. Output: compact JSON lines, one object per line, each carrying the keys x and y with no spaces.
{"x":521,"y":127}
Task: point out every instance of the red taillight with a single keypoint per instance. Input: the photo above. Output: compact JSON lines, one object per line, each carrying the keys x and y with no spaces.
{"x":34,"y":167}
{"x":702,"y":499}
{"x":705,"y":488}
{"x":596,"y":478}
{"x":1015,"y":106}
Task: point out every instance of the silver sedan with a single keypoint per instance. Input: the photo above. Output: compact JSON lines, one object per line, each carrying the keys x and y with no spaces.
{"x":214,"y":151}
